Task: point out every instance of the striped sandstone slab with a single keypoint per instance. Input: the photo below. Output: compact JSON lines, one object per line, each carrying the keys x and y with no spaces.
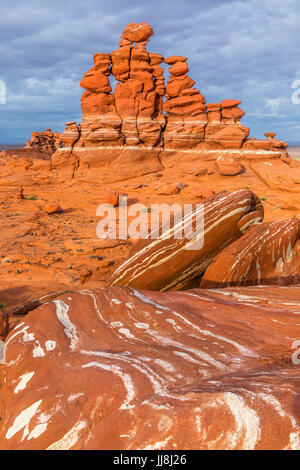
{"x":164,"y":264}
{"x":268,"y":253}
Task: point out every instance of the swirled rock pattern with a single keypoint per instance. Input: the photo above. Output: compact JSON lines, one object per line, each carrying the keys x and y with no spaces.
{"x":117,"y":368}
{"x":183,"y":253}
{"x":267,"y":253}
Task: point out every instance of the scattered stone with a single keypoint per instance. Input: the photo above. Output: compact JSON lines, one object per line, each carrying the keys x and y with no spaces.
{"x":201,"y":172}
{"x":228,"y":166}
{"x":53,"y":209}
{"x":169,"y":189}
{"x":85,"y":276}
{"x":112,"y":198}
{"x":104,"y":264}
{"x":180,"y":186}
{"x":201,"y":191}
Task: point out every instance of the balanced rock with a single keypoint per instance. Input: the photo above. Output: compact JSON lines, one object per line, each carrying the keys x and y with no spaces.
{"x":230,"y":103}
{"x":137,"y":32}
{"x":179,"y":68}
{"x":174,"y":59}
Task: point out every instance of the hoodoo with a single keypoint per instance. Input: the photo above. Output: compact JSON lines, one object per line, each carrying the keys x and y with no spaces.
{"x":127,"y":131}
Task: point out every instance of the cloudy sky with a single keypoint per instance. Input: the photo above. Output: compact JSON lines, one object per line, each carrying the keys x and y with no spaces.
{"x":247,"y":50}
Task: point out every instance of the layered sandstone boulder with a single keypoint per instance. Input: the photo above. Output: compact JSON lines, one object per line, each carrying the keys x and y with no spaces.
{"x":268,"y":253}
{"x":149,"y":370}
{"x":224,"y":130}
{"x":228,"y":166}
{"x":42,"y":145}
{"x":185,"y":108}
{"x":46,"y":141}
{"x":132,"y":115}
{"x":118,"y":130}
{"x":270,"y":144}
{"x":170,"y":260}
{"x":101,"y":123}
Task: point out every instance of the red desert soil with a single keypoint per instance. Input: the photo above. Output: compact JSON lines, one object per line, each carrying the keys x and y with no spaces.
{"x":43,"y":252}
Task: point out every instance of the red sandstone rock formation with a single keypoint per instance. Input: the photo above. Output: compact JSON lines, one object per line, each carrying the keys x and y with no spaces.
{"x":185,"y":108}
{"x":41,"y":146}
{"x":133,"y":114}
{"x":268,"y":253}
{"x":44,"y":141}
{"x":162,"y":371}
{"x":171,"y":262}
{"x":128,"y":127}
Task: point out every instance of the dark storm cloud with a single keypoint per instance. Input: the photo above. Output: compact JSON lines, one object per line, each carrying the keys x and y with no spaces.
{"x":236,"y":49}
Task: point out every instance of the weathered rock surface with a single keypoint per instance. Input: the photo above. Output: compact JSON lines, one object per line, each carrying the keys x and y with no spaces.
{"x":143,"y":370}
{"x":278,"y":176}
{"x":175,"y":257}
{"x":268,"y":253}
